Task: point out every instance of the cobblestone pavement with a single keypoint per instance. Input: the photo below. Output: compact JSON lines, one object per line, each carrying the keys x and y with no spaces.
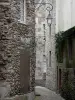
{"x":46,"y":94}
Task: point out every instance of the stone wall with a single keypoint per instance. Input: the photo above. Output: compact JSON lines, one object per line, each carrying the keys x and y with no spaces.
{"x":40,"y":82}
{"x":14,"y":37}
{"x":51,"y":77}
{"x":45,"y":45}
{"x":29,"y":96}
{"x":40,"y":42}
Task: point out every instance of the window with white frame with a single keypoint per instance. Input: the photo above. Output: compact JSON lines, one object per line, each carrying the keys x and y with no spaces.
{"x":23,"y":11}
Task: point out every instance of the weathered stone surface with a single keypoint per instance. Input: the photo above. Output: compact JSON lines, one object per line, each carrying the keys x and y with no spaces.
{"x":40,"y":82}
{"x":51,"y":77}
{"x":17,"y":97}
{"x":15,"y":36}
{"x":4,"y":0}
{"x":29,"y":96}
{"x":45,"y":39}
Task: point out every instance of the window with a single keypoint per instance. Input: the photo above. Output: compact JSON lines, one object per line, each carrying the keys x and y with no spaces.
{"x":59,"y":78}
{"x":70,"y":49}
{"x":44,"y":31}
{"x":50,"y":58}
{"x":44,"y":26}
{"x":23,"y":11}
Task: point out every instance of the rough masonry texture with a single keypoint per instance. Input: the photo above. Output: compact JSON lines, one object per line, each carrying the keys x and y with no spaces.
{"x":51,"y":75}
{"x":14,"y":37}
{"x":45,"y":44}
{"x":41,"y":34}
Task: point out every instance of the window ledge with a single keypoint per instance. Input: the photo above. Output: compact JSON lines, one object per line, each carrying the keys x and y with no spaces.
{"x":22,"y":22}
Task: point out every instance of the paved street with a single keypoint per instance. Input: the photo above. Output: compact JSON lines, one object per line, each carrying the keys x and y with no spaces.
{"x":46,"y":94}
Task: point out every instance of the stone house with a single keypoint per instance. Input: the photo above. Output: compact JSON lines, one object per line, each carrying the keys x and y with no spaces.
{"x":17,"y":48}
{"x":65,"y":51}
{"x":51,"y":74}
{"x":40,"y":32}
{"x":45,"y":48}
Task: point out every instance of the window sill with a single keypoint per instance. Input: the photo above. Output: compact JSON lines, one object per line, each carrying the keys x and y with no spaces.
{"x":22,"y":22}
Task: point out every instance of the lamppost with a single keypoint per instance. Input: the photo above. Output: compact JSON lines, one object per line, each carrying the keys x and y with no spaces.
{"x":49,"y":22}
{"x":49,"y":17}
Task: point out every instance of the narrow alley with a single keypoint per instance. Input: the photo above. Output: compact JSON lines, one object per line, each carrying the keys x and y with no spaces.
{"x":43,"y":93}
{"x":37,"y":49}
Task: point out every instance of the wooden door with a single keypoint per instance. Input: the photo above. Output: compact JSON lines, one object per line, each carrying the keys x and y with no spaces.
{"x":24,"y":70}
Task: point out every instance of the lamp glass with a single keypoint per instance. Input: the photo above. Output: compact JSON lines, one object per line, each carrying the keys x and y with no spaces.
{"x":49,"y":21}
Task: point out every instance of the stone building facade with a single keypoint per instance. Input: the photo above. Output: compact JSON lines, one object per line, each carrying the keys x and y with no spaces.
{"x":17,"y":34}
{"x":45,"y":49}
{"x":51,"y":76}
{"x":40,"y":43}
